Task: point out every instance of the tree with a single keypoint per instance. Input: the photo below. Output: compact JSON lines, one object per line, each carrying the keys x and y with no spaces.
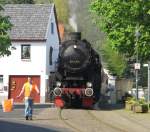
{"x":5,"y":2}
{"x":62,"y":10}
{"x":119,"y":20}
{"x":115,"y":62}
{"x":5,"y":27}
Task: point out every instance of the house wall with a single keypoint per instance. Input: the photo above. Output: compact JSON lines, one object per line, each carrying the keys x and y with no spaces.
{"x":39,"y":63}
{"x":13,"y":65}
{"x":52,"y":41}
{"x":120,"y":86}
{"x":123,"y":86}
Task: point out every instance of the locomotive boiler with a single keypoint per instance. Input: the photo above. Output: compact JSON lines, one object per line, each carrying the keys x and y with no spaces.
{"x":77,"y":81}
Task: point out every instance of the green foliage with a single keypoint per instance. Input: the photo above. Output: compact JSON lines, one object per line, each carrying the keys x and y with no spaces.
{"x":142,"y":101}
{"x":62,"y":10}
{"x":5,"y":2}
{"x":131,"y":100}
{"x":118,"y":19}
{"x":115,"y":62}
{"x":5,"y":41}
{"x":138,"y":106}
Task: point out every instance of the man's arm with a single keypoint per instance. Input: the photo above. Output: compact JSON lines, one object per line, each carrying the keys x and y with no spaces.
{"x":22,"y":90}
{"x":37,"y":90}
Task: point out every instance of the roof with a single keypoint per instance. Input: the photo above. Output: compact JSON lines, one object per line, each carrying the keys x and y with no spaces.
{"x":30,"y":22}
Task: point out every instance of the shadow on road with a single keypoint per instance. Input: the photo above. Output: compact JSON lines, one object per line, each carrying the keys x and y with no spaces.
{"x":44,"y":119}
{"x":100,"y":106}
{"x":6,"y":126}
{"x":111,"y":106}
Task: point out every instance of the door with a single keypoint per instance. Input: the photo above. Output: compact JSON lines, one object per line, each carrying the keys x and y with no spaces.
{"x":16,"y":84}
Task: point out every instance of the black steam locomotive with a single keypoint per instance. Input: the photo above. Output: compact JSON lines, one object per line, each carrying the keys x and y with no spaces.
{"x":77,"y":81}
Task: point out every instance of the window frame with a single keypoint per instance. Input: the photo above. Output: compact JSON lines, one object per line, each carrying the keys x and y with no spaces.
{"x":52,"y":27}
{"x":2,"y":79}
{"x":23,"y":57}
{"x":51,"y":55}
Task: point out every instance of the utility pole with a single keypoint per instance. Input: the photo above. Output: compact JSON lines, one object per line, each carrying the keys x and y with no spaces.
{"x":148,"y":87}
{"x":148,"y":82}
{"x":137,"y":64}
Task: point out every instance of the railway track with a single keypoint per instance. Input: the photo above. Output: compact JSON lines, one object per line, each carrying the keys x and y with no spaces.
{"x":100,"y":123}
{"x":132,"y":119}
{"x":76,"y":129}
{"x":105,"y":123}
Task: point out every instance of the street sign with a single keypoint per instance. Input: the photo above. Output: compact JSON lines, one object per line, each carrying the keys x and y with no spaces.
{"x":137,"y":66}
{"x":145,"y":65}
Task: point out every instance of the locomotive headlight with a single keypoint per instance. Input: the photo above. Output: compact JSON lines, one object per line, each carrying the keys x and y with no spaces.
{"x":88,"y":92}
{"x":89,"y":84}
{"x":75,"y":46}
{"x":57,"y":91}
{"x":58,"y":84}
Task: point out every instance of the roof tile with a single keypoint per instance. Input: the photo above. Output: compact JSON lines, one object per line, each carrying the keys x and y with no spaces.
{"x":29,"y":21}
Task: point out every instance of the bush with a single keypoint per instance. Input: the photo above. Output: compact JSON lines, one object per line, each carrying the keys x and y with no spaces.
{"x":129,"y":103}
{"x":131,"y":100}
{"x":138,"y":106}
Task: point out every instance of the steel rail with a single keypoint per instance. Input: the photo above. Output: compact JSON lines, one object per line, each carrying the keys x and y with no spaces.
{"x":105,"y":123}
{"x":67,"y":123}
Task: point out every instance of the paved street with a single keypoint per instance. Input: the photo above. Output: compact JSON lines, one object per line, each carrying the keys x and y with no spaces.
{"x":20,"y":127}
{"x":15,"y":121}
{"x":46,"y":119}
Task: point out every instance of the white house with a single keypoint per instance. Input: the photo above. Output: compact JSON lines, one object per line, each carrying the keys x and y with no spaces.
{"x":34,"y":51}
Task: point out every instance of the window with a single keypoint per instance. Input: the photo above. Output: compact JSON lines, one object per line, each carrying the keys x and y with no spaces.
{"x":1,"y":83}
{"x":51,"y":55}
{"x":52,"y":28}
{"x":25,"y":52}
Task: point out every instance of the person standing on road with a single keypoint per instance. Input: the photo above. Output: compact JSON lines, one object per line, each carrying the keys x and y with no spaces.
{"x":28,"y":88}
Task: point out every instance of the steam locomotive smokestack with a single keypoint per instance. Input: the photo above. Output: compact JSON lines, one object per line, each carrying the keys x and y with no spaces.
{"x":75,"y":36}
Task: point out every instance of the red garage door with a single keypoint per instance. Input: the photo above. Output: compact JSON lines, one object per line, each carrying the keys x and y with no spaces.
{"x":16,"y":84}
